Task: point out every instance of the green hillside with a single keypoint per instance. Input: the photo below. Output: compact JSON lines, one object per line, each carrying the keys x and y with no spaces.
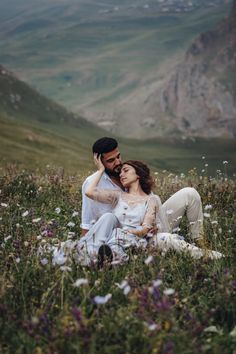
{"x":36,"y":132}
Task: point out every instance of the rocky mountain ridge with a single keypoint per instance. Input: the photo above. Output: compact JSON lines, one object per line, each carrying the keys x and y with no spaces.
{"x":198,"y":98}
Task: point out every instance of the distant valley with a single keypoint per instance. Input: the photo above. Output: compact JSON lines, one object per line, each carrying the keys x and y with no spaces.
{"x":108,"y":61}
{"x":37,"y":133}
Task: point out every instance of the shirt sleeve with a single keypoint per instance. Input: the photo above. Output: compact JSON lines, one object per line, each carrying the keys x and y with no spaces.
{"x":87,"y":214}
{"x":151,"y":213}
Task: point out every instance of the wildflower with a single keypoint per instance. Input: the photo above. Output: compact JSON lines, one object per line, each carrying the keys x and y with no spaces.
{"x":126,"y":290}
{"x":124,"y":285}
{"x":7,"y":238}
{"x":225,"y":162}
{"x":208,"y":207}
{"x":233,"y":332}
{"x":4,"y":205}
{"x":151,"y":326}
{"x":18,"y":260}
{"x":101,"y":300}
{"x":75,"y":213}
{"x":207,"y":215}
{"x":39,"y":237}
{"x":79,"y":282}
{"x":17,"y":226}
{"x":203,"y":157}
{"x":26,"y":243}
{"x":35,"y":221}
{"x":44,"y":261}
{"x":58,"y":210}
{"x":25,"y":213}
{"x":148,"y":260}
{"x":71,"y":224}
{"x":206,"y":164}
{"x":59,"y":258}
{"x":211,"y":329}
{"x":169,"y":291}
{"x":157,"y":282}
{"x":66,"y":269}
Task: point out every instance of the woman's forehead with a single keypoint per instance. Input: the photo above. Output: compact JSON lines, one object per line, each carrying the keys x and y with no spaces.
{"x":126,"y":166}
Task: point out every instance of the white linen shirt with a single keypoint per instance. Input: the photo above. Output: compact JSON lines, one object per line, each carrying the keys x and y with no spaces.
{"x":91,"y":209}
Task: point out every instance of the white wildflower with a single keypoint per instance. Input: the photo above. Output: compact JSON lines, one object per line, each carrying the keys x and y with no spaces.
{"x":101,"y":300}
{"x":122,"y":285}
{"x":233,"y":332}
{"x":208,"y":207}
{"x":169,"y":291}
{"x":58,"y":210}
{"x":148,"y":260}
{"x":7,"y":238}
{"x":75,"y":213}
{"x":4,"y":205}
{"x":225,"y":162}
{"x":151,"y":326}
{"x":71,"y":224}
{"x":207,"y":215}
{"x":211,"y":329}
{"x":81,"y":281}
{"x":214,"y":222}
{"x":18,"y":260}
{"x":157,"y":283}
{"x":26,"y":243}
{"x":26,"y":213}
{"x":44,"y":261}
{"x":35,"y":221}
{"x":65,"y":269}
{"x":59,"y":257}
{"x":126,"y":290}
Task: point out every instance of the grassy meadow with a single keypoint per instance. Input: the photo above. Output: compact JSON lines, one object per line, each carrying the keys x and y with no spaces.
{"x":159,"y":302}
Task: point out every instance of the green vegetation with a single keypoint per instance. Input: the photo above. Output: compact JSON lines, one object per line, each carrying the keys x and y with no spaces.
{"x":166,"y":304}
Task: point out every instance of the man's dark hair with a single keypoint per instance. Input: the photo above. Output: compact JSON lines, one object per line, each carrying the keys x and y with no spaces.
{"x":103,"y":145}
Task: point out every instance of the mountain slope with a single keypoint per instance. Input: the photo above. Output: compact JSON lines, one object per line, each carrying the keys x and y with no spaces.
{"x":36,"y":132}
{"x":198,"y":98}
{"x":90,"y":56}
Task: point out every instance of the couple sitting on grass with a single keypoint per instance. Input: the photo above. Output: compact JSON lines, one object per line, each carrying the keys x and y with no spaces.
{"x":120,"y":211}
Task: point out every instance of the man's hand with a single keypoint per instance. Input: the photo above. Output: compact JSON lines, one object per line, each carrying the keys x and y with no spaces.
{"x":98,"y":162}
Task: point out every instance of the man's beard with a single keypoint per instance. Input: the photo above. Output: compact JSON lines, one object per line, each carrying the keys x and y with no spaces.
{"x":113,"y":173}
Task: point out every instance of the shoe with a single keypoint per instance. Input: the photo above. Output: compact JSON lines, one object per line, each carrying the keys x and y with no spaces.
{"x":105,"y":256}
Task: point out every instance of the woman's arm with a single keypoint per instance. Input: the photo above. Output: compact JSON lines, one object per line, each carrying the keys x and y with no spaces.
{"x":106,"y":196}
{"x":149,"y":221}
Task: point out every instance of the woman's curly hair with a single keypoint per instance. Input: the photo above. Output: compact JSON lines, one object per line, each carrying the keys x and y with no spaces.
{"x":145,"y":179}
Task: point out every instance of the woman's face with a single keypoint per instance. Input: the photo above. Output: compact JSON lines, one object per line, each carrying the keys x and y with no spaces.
{"x":128,"y":175}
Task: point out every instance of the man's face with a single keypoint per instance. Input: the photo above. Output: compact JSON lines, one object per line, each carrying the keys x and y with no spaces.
{"x":112,"y":162}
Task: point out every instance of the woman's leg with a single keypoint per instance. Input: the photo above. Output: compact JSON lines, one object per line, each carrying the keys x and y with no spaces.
{"x":98,"y":235}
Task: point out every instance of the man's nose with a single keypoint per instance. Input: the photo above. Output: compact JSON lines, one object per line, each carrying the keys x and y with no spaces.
{"x":118,"y":161}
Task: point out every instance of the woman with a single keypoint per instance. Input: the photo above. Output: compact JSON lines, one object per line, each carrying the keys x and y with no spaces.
{"x":134,"y":215}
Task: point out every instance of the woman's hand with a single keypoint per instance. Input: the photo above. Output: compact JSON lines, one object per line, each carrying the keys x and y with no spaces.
{"x":98,"y":162}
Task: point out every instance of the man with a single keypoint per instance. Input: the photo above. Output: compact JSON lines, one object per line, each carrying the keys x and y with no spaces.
{"x":187,"y":200}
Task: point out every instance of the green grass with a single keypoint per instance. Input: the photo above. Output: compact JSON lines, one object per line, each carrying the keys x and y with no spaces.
{"x":43,"y":312}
